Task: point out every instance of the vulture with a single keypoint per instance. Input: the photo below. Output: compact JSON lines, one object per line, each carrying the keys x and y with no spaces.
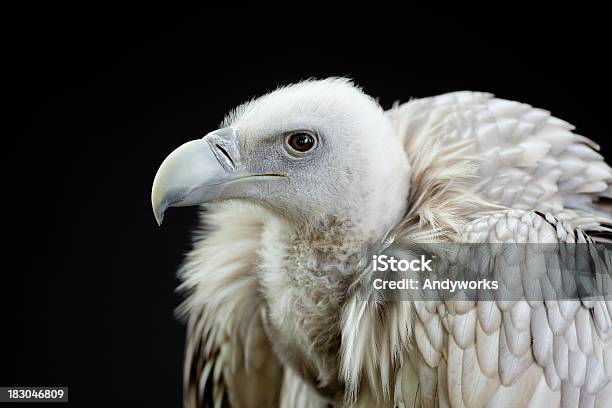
{"x":299,"y":187}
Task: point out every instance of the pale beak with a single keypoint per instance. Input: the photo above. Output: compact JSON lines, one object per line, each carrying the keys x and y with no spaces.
{"x":195,"y":172}
{"x":204,"y":170}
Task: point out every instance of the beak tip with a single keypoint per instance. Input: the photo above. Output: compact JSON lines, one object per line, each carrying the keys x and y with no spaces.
{"x":159,"y":214}
{"x":159,"y":220}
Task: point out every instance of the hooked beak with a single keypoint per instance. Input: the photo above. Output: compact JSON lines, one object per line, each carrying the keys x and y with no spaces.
{"x":200,"y":171}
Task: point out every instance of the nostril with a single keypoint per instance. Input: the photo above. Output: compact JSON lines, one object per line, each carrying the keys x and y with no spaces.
{"x":226,"y":154}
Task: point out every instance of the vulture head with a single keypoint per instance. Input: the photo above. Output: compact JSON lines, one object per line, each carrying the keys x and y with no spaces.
{"x":313,"y":153}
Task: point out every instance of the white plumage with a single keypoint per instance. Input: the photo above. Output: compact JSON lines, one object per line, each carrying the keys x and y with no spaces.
{"x":276,"y":313}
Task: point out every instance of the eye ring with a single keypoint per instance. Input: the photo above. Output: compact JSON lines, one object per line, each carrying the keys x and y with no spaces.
{"x":300,"y":142}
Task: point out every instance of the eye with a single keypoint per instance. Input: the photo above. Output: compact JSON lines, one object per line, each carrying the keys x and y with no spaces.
{"x":300,"y":142}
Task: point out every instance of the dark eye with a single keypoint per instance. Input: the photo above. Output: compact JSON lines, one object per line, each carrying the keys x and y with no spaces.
{"x":300,"y":142}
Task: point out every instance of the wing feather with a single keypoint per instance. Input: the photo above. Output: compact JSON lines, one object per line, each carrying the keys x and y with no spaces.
{"x":527,"y":159}
{"x":506,"y":352}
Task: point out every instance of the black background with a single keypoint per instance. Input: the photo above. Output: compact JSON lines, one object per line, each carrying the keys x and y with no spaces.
{"x":100,"y":95}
